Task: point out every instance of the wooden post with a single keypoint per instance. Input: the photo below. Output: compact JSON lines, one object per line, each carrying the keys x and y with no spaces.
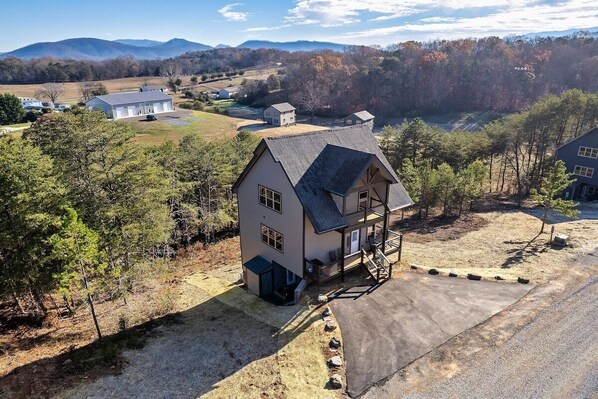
{"x":390,"y":270}
{"x":385,"y":231}
{"x":551,"y":234}
{"x":400,"y":246}
{"x":343,"y":255}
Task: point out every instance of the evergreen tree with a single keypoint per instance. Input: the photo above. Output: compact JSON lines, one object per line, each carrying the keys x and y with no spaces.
{"x":11,"y":109}
{"x":549,"y":194}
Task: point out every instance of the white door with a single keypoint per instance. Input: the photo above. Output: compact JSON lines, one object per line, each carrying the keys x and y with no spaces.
{"x":131,"y":110}
{"x":167,"y":106}
{"x":121,"y":112}
{"x":157,"y":107}
{"x":354,"y":241}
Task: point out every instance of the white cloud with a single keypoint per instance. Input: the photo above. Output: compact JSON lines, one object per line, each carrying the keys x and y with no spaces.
{"x":342,"y":12}
{"x":230,"y":15}
{"x":573,"y":14}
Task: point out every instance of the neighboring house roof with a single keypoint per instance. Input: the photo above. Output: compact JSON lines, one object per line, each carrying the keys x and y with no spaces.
{"x":230,"y":89}
{"x":133,"y":97}
{"x":364,"y":116}
{"x":595,"y":128}
{"x":258,"y":265}
{"x":329,"y":161}
{"x":282,"y":107}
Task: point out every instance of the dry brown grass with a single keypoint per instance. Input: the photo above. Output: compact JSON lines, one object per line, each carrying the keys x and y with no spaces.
{"x":503,"y":243}
{"x":72,"y":95}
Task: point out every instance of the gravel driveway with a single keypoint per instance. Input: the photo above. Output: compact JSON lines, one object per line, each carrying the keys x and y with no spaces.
{"x":555,"y":356}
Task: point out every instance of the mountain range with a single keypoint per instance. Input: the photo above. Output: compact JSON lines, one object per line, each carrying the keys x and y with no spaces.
{"x":98,"y":49}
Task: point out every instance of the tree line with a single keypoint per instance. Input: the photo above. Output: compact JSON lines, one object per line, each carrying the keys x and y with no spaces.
{"x":405,"y":79}
{"x":86,"y":211}
{"x":512,"y":155}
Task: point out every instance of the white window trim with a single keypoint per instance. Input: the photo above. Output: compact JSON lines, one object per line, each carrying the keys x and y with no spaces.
{"x":581,"y":169}
{"x":581,"y":152}
{"x":359,"y":199}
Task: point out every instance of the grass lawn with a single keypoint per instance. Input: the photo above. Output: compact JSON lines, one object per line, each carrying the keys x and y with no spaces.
{"x":207,"y":125}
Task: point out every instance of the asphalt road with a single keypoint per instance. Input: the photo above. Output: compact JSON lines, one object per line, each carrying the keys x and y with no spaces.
{"x":553,"y":356}
{"x":405,"y":318}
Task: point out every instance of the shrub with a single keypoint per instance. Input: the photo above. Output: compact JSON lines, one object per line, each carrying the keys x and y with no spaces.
{"x":31,"y":116}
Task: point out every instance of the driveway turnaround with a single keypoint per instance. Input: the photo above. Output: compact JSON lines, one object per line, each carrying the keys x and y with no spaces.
{"x":388,"y":327}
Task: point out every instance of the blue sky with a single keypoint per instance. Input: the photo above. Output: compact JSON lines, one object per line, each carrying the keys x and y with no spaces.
{"x":232,"y":22}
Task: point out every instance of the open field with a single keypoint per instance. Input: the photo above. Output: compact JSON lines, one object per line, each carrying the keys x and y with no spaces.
{"x":173,"y":126}
{"x":73,"y":96}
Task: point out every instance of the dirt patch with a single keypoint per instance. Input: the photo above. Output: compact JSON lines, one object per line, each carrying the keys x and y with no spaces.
{"x":438,"y":228}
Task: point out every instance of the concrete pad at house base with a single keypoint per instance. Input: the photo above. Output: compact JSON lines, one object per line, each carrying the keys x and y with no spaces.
{"x":403,"y":319}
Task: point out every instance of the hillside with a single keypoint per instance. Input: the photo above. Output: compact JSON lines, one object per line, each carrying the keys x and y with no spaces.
{"x":98,"y":49}
{"x":139,"y":42}
{"x":300,"y":45}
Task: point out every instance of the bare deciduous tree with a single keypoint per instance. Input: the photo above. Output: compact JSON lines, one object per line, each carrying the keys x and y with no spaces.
{"x":51,"y":91}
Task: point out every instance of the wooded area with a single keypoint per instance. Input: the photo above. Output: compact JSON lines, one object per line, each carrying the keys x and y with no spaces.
{"x":87,"y":212}
{"x":406,"y":79}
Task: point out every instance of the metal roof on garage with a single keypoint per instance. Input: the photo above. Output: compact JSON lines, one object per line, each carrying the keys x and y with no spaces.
{"x":133,"y":97}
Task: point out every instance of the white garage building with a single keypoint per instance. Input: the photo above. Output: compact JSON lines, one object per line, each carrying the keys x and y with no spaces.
{"x":123,"y":105}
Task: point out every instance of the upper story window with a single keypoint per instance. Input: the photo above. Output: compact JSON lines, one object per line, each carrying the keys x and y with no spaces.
{"x":270,"y":198}
{"x":363,"y":200}
{"x":583,"y":171}
{"x":272,"y":237}
{"x":588,"y":152}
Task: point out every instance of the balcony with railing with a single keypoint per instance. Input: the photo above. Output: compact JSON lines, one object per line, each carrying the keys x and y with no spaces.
{"x":365,"y":217}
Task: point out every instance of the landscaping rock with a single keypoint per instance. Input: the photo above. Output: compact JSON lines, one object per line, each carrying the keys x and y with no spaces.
{"x":322,"y":298}
{"x":335,"y":343}
{"x":498,"y":278}
{"x":451,"y":274}
{"x":561,"y":240}
{"x":522,"y":280}
{"x":433,"y":272}
{"x":327,"y":312}
{"x":330,"y":326}
{"x":414,"y":267}
{"x":474,"y":277}
{"x":336,"y":381}
{"x":335,"y":362}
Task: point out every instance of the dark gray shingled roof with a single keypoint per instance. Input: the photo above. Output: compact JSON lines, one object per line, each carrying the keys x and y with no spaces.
{"x":134,"y":97}
{"x":283,"y":107}
{"x":362,"y":115}
{"x":321,"y":162}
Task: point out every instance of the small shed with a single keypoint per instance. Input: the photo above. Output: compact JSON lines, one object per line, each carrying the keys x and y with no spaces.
{"x":258,"y":274}
{"x":228,"y":92}
{"x":360,"y":117}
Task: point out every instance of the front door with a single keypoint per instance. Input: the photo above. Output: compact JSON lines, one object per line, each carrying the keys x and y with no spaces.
{"x":354,"y":241}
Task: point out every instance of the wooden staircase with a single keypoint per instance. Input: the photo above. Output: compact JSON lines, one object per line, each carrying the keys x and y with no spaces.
{"x":379,"y":267}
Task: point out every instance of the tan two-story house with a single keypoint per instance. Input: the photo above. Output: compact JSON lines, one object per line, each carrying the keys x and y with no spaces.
{"x":282,"y":114}
{"x":313,"y":206}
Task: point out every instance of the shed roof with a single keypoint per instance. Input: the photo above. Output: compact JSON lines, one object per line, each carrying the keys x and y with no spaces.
{"x":364,"y":116}
{"x":258,"y":264}
{"x":329,"y":161}
{"x":133,"y":97}
{"x":283,"y":107}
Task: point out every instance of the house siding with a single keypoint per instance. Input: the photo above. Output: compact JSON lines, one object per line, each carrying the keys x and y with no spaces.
{"x":277,"y":118}
{"x":568,"y":153}
{"x":252,"y":215}
{"x":318,"y":246}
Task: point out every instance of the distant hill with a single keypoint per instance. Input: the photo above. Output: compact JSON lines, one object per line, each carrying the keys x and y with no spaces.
{"x":592,"y":31}
{"x":301,"y":45}
{"x":223,"y":46}
{"x":98,"y":49}
{"x":139,"y":42}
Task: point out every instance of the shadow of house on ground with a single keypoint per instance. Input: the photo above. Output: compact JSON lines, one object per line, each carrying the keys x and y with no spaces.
{"x":184,"y":355}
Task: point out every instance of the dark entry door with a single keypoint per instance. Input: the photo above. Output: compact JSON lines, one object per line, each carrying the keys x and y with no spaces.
{"x":266,"y":283}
